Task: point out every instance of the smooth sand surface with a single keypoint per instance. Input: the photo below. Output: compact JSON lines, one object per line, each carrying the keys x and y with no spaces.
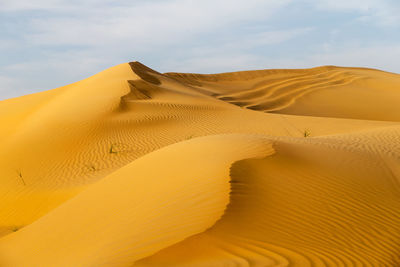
{"x":132,"y":167}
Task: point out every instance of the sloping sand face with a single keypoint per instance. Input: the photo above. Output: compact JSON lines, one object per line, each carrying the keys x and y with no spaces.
{"x":132,"y":167}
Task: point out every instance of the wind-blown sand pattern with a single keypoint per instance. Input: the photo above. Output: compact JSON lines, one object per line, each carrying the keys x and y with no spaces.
{"x":132,"y":167}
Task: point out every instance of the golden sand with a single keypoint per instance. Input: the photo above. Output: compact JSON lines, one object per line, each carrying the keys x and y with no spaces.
{"x":132,"y":167}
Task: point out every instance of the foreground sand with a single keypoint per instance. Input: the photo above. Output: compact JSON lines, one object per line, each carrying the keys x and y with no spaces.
{"x":132,"y":167}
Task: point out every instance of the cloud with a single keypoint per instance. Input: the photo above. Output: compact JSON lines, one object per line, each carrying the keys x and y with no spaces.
{"x":266,"y":38}
{"x":143,"y":23}
{"x":55,"y":42}
{"x":49,"y":5}
{"x":230,"y":54}
{"x":381,"y":12}
{"x":60,"y":40}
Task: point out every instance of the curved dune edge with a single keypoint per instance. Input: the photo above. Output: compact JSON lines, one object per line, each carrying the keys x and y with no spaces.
{"x":64,"y":140}
{"x":309,"y":204}
{"x":152,"y":203}
{"x":89,"y":175}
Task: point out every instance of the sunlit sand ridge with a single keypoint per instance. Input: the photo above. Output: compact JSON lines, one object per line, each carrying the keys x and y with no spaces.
{"x":132,"y":167}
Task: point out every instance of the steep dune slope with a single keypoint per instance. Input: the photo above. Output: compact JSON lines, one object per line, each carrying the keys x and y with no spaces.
{"x":86,"y":180}
{"x":309,"y":204}
{"x":147,"y":205}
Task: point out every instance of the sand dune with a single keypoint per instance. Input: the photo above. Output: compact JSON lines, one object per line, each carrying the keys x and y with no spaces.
{"x":132,"y":167}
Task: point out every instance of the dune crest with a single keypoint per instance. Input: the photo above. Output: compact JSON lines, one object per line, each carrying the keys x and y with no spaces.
{"x":132,"y":167}
{"x":154,"y":202}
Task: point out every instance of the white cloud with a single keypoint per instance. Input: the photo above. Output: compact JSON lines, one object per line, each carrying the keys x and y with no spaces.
{"x":74,"y":39}
{"x":55,"y":42}
{"x":272,"y":37}
{"x":232,"y":53}
{"x":381,"y":12}
{"x":263,"y":39}
{"x":144,"y":23}
{"x":50,"y":5}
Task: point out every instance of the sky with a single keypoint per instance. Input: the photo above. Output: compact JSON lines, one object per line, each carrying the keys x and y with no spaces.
{"x":46,"y":44}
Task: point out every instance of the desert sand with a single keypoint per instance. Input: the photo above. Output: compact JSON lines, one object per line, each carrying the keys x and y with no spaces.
{"x":132,"y":167}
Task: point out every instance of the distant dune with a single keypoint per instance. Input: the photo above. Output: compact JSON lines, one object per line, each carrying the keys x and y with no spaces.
{"x":132,"y":167}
